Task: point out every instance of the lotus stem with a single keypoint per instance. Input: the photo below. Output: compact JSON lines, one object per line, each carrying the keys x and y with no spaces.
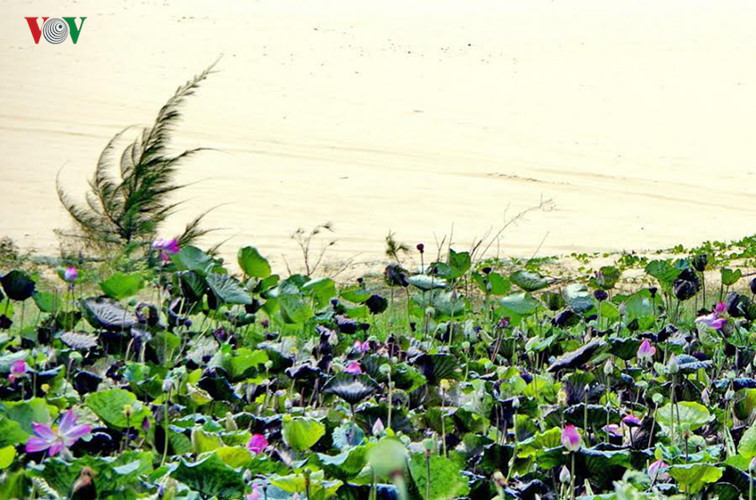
{"x":572,"y":476}
{"x":373,"y":487}
{"x":390,"y":399}
{"x":428,"y":474}
{"x":165,"y":427}
{"x":307,"y":483}
{"x":443,"y":423}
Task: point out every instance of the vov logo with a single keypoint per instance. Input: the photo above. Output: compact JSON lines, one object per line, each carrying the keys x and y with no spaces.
{"x":54,"y":29}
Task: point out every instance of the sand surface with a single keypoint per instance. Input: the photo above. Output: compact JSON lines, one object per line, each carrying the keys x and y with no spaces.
{"x":636,"y":118}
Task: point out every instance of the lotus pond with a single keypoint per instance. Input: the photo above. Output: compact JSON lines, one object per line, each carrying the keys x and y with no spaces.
{"x":174,"y":376}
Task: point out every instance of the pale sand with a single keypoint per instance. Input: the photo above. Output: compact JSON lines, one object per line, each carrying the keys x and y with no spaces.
{"x":637,"y":120}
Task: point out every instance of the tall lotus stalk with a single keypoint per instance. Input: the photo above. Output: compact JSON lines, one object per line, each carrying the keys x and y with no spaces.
{"x":167,"y":387}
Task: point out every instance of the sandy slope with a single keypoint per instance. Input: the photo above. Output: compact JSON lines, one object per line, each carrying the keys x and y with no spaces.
{"x":411,"y":116}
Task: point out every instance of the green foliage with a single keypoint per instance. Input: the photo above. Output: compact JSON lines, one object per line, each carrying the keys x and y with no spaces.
{"x":302,"y":433}
{"x":122,"y":285}
{"x":252,"y":263}
{"x":446,"y":480}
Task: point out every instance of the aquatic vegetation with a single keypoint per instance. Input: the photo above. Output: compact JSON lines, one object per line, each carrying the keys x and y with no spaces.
{"x":184,"y":378}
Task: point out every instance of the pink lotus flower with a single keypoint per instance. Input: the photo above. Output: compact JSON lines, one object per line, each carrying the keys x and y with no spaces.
{"x":166,"y":247}
{"x":354,"y":368}
{"x":646,"y":350}
{"x":18,"y":370}
{"x":54,"y":439}
{"x":257,"y":444}
{"x":713,"y":320}
{"x":362,"y":347}
{"x":70,"y":274}
{"x":612,"y":430}
{"x":570,"y":438}
{"x":631,"y":420}
{"x":656,"y":468}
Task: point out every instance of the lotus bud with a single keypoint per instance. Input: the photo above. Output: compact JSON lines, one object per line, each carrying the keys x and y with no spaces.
{"x":570,"y":438}
{"x":672,"y":365}
{"x":608,"y":367}
{"x":499,"y":478}
{"x":167,"y":384}
{"x":516,"y":403}
{"x":70,"y":274}
{"x":420,"y":248}
{"x":562,"y":397}
{"x":247,"y":476}
{"x":655,"y":468}
{"x":378,"y":428}
{"x":257,"y":443}
{"x":145,"y":424}
{"x":230,"y":422}
{"x":564,"y":475}
{"x":385,"y":369}
{"x":705,"y":397}
{"x":646,"y":351}
{"x":128,"y":411}
{"x":657,"y":398}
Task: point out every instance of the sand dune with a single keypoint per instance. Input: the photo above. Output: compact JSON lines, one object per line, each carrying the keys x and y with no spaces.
{"x":636,"y":120}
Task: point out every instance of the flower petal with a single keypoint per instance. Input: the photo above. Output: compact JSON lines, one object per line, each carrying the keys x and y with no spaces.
{"x":43,"y":431}
{"x":35,"y":444}
{"x":68,"y":422}
{"x":73,"y":434}
{"x":54,"y":449}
